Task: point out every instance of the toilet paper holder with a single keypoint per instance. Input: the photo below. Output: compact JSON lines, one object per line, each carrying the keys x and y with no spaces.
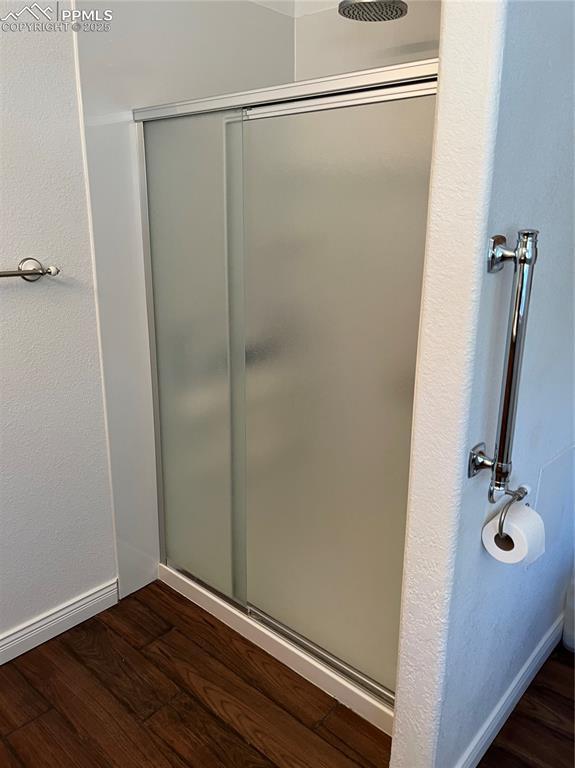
{"x":517,"y":495}
{"x":523,"y":257}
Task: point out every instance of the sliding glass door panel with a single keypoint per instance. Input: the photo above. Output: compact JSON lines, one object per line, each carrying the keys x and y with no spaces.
{"x":194,"y":192}
{"x":286,"y":259}
{"x":335,"y":209}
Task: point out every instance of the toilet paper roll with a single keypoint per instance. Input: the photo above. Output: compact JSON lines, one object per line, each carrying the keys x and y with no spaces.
{"x":525,"y":540}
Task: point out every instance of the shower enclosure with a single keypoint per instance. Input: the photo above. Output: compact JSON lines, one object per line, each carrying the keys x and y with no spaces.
{"x":287,"y":232}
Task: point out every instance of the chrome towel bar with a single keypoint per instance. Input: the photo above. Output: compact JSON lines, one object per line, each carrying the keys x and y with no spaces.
{"x":30,"y":270}
{"x":523,"y":257}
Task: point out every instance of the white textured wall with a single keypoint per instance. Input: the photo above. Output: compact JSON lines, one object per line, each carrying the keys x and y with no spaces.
{"x":327,"y":44}
{"x":156,"y":52}
{"x":454,"y":270}
{"x":56,"y":532}
{"x":502,"y":161}
{"x":498,"y":614}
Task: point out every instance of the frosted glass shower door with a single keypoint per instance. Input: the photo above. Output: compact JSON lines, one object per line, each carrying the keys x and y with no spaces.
{"x":194,"y":179}
{"x":335,"y":208}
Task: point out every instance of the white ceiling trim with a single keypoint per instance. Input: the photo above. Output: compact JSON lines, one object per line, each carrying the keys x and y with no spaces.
{"x":297,"y":8}
{"x":305,"y":7}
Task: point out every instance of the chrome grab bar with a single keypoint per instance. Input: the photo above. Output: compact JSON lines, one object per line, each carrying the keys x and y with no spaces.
{"x":524,"y":257}
{"x":30,"y":270}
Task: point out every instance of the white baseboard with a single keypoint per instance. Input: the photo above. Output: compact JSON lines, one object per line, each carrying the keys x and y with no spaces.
{"x":367,"y":706}
{"x":31,"y":634}
{"x":508,"y":701}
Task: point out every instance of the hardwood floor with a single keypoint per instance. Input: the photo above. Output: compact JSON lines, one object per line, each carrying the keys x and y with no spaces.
{"x":539,"y":733}
{"x":155,"y":682}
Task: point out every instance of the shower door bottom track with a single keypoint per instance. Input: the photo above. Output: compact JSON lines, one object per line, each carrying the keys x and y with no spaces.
{"x":286,"y":633}
{"x":357,"y":677}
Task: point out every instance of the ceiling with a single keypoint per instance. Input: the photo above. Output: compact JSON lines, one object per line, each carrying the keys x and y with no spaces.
{"x":297,"y":8}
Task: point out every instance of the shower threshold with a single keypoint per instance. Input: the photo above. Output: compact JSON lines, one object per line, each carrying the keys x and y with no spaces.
{"x":375,"y":688}
{"x":349,"y":686}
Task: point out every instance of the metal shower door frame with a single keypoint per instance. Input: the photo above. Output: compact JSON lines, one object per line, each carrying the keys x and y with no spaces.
{"x":400,"y":75}
{"x":392,"y":83}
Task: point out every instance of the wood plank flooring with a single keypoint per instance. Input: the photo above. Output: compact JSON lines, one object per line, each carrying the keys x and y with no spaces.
{"x":539,"y":733}
{"x":156,"y":682}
